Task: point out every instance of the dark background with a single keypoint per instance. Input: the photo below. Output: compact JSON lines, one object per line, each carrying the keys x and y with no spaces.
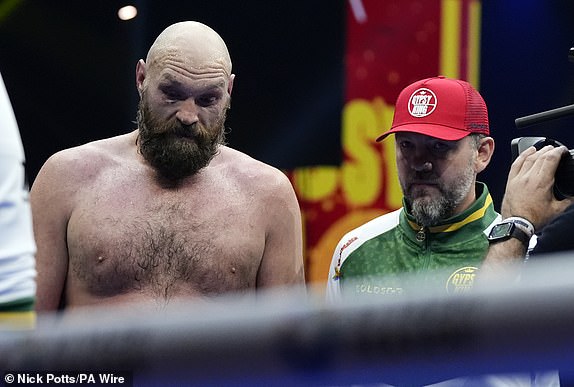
{"x":69,"y":69}
{"x":525,"y":70}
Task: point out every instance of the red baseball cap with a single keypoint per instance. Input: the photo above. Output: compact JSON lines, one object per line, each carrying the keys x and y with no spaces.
{"x":440,"y":107}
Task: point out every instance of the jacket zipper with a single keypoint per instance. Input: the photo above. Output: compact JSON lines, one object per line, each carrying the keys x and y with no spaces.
{"x":422,"y":238}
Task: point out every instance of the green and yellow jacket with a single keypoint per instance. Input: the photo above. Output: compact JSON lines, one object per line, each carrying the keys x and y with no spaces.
{"x":392,"y":255}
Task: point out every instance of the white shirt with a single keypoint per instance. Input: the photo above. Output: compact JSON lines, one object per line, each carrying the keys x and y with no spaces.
{"x":17,"y":247}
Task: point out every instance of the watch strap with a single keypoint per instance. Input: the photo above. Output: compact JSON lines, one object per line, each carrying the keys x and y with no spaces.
{"x":518,"y":233}
{"x":522,"y":223}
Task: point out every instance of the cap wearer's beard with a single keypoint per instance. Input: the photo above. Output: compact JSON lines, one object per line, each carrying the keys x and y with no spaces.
{"x":431,"y":212}
{"x":174,"y":150}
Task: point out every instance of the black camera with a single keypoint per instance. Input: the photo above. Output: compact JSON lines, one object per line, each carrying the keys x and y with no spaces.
{"x":564,"y":177}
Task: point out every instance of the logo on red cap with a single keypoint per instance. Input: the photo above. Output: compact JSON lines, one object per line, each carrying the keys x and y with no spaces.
{"x":422,"y":102}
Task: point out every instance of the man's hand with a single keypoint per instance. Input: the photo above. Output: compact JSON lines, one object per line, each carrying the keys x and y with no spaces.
{"x":529,"y":186}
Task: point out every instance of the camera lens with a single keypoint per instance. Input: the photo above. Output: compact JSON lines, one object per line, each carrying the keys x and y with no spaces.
{"x":564,"y":178}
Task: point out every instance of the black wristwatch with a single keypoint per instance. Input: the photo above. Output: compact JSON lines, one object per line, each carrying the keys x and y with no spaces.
{"x":506,"y":230}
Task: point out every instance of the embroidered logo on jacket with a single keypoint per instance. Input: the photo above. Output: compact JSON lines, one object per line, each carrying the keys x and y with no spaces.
{"x":462,"y":280}
{"x":338,"y":267}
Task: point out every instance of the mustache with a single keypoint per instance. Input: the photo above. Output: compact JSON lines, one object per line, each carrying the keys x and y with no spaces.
{"x":414,"y":183}
{"x":183,"y":130}
{"x":195,"y":131}
{"x":418,"y":178}
{"x":424,"y":181}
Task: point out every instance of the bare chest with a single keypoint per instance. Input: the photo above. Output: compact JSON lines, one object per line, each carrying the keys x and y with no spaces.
{"x":163,"y":244}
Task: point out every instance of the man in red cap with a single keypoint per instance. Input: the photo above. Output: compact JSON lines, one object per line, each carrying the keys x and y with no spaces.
{"x":442,"y":142}
{"x":443,"y":231}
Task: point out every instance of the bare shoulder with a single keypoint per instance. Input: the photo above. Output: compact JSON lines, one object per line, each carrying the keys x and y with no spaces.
{"x":67,"y":172}
{"x":255,"y":175}
{"x":82,"y":162}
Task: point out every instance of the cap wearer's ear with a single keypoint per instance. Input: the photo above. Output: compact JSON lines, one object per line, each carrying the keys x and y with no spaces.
{"x":485,"y":152}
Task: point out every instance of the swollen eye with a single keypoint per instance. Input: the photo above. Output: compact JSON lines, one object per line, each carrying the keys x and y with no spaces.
{"x":172,"y":96}
{"x":206,"y":101}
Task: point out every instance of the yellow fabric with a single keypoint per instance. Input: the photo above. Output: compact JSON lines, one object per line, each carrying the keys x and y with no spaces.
{"x":17,"y":321}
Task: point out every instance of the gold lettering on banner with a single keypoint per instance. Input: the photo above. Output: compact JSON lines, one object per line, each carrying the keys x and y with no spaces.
{"x":361,"y":172}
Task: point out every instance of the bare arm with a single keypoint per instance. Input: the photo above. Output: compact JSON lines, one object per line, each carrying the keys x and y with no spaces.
{"x":49,"y":200}
{"x":282,"y":262}
{"x":529,"y":195}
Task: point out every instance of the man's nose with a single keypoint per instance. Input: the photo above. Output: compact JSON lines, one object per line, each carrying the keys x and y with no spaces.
{"x":187,"y":113}
{"x":420,"y":161}
{"x":422,"y":166}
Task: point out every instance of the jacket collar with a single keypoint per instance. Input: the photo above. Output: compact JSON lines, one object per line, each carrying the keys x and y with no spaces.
{"x":476,"y":211}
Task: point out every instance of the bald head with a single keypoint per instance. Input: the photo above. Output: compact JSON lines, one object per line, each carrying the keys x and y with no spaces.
{"x":193,"y":43}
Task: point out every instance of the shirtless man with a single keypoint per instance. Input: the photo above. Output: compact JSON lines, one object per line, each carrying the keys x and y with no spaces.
{"x":166,"y":211}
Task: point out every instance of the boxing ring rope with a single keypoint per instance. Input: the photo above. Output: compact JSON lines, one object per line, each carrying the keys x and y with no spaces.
{"x":285,"y":338}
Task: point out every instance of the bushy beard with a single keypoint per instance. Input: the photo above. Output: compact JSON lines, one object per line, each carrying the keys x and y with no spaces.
{"x":174,"y":150}
{"x":430,"y":211}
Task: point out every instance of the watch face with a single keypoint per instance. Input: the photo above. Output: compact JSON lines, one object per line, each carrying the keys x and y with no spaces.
{"x":501,"y":230}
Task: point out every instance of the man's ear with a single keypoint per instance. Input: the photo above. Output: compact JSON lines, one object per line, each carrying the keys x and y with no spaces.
{"x":485,"y":151}
{"x":140,"y":75}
